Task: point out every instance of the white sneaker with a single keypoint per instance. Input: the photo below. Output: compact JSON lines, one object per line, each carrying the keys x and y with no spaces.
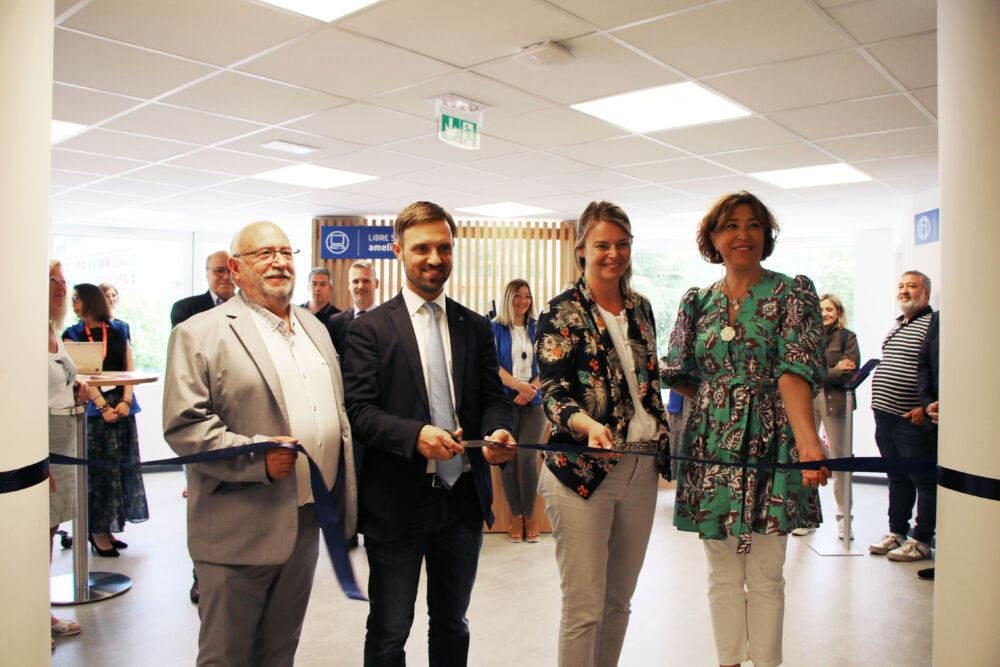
{"x":910,"y":551}
{"x":888,"y":542}
{"x":799,"y":532}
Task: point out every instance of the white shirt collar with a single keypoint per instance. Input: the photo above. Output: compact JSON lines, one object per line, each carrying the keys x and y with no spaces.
{"x":414,"y":302}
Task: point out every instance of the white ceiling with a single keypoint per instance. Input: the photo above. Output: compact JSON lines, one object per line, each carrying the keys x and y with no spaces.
{"x":179,"y":96}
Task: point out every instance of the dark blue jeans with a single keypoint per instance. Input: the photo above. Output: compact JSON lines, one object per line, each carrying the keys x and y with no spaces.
{"x":446,"y":530}
{"x":897,"y":437}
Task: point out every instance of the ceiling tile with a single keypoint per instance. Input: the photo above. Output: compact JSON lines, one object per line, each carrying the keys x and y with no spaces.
{"x":674,"y":170}
{"x":364,"y":124}
{"x":192,"y":28}
{"x":530,"y":166}
{"x":90,"y":62}
{"x":120,"y":144}
{"x":357,"y":66}
{"x":80,"y":105}
{"x":727,"y":136}
{"x":788,"y":156}
{"x":181,"y":124}
{"x":744,"y":33}
{"x":501,"y":99}
{"x":588,"y":181}
{"x":553,"y":127}
{"x":804,"y":82}
{"x":928,"y":97}
{"x":197,"y":200}
{"x":889,"y":112}
{"x":429,"y":146}
{"x":520,"y":191}
{"x":619,"y":151}
{"x":643,"y":195}
{"x":901,"y":167}
{"x":459,"y":178}
{"x":496,"y":29}
{"x":873,"y":20}
{"x":90,"y":163}
{"x":259,"y":188}
{"x":126,"y":186}
{"x":602,"y":67}
{"x":379,"y":162}
{"x":229,"y":162}
{"x":884,"y":144}
{"x":713,"y":189}
{"x":911,"y":185}
{"x":71,"y":179}
{"x":384,"y":188}
{"x":194,"y":178}
{"x":912,"y":60}
{"x":251,"y":98}
{"x":326,"y":147}
{"x":611,"y":14}
{"x":106,"y":200}
{"x":335,"y":197}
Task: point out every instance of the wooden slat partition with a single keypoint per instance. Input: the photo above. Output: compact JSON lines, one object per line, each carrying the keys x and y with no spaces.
{"x":488,"y":254}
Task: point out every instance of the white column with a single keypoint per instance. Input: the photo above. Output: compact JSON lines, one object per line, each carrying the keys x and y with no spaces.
{"x":26,"y":72}
{"x":967,"y":588}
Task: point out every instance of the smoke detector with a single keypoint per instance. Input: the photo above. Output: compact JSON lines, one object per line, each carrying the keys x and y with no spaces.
{"x":544,"y":54}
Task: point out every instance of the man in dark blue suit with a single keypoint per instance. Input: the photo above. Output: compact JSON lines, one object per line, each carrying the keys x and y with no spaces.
{"x":220,"y":289}
{"x":419,"y":371}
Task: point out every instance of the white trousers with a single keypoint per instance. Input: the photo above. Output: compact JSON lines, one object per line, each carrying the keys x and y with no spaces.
{"x":837,"y":439}
{"x":746,"y":594}
{"x":600,"y":545}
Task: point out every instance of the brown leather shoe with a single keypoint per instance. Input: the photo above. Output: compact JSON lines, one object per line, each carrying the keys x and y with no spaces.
{"x":531,"y":532}
{"x":515,"y":532}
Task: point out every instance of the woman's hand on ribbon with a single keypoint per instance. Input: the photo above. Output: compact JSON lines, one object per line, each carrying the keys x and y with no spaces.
{"x":813,"y":452}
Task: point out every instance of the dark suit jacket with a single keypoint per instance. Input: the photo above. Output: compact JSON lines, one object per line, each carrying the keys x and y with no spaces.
{"x":337,"y":326}
{"x":388,"y":405}
{"x":192,"y":305}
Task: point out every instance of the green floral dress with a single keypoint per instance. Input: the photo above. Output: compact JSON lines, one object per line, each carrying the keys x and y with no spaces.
{"x":738,"y":414}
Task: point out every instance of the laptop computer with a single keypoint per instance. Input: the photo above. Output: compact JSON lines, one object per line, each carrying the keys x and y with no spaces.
{"x":86,"y":356}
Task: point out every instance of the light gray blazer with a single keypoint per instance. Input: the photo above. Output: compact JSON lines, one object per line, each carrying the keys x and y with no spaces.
{"x":221,"y":389}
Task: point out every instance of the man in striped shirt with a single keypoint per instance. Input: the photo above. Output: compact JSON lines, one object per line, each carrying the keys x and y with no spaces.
{"x":899,"y":424}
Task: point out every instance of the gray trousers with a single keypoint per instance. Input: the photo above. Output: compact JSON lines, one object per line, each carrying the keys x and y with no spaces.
{"x":835,"y":436}
{"x":520,"y":476}
{"x":252,"y":614}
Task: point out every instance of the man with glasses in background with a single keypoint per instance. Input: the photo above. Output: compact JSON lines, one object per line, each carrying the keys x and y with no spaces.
{"x":257,"y":369}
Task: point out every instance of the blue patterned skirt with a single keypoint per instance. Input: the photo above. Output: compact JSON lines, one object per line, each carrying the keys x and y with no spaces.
{"x":114,"y":495}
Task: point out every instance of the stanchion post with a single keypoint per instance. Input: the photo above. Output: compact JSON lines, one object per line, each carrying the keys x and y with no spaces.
{"x":848,"y":475}
{"x":81,"y":568}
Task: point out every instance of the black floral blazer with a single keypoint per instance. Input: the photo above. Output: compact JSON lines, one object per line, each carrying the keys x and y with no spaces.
{"x":580,"y":371}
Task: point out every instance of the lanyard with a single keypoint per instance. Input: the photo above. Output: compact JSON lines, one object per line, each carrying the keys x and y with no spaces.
{"x":104,"y":335}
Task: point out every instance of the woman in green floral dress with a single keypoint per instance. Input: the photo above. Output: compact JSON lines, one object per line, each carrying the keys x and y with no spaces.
{"x":748,"y":350}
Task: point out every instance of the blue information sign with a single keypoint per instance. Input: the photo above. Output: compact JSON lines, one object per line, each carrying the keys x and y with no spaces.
{"x":927,"y":227}
{"x":356,"y":243}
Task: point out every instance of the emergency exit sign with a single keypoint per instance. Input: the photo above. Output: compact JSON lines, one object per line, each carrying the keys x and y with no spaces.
{"x":458,"y":132}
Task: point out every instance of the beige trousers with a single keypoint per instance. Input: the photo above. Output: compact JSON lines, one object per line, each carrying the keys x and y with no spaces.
{"x":600,"y":545}
{"x":746,"y":594}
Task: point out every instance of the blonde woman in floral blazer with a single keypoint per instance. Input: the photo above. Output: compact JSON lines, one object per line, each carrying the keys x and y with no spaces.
{"x":596,"y":350}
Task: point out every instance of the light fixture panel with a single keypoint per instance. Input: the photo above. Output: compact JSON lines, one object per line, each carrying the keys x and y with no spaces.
{"x":505,"y":209}
{"x":663,"y":108}
{"x":313,"y":176}
{"x":807,"y":177}
{"x":322,"y":10}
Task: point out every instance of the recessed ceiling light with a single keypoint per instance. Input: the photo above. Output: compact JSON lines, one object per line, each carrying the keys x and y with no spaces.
{"x":289,"y":147}
{"x":661,"y":108}
{"x":806,"y":177}
{"x":141,"y":215}
{"x":63,"y":130}
{"x":324,"y":10}
{"x":505,"y":209}
{"x":314,"y":176}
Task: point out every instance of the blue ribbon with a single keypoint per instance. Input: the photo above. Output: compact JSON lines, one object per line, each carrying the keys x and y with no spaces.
{"x":965,"y":482}
{"x":326,"y":510}
{"x":22,"y":478}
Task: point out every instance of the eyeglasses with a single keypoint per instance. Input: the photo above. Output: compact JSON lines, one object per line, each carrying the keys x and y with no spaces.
{"x":76,"y":299}
{"x":219,"y":272}
{"x":268,"y":254}
{"x":57,"y":281}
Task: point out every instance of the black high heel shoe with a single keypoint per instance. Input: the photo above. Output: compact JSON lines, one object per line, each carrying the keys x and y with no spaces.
{"x":107,"y":553}
{"x":118,"y":544}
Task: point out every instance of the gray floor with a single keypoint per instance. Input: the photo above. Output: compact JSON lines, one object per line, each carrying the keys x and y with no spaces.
{"x":840,"y":610}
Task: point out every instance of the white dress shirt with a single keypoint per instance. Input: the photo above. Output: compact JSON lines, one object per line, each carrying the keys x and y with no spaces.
{"x":642,"y":426}
{"x":307,"y":388}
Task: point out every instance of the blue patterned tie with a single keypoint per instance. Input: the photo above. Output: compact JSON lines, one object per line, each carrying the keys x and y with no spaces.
{"x":442,"y":408}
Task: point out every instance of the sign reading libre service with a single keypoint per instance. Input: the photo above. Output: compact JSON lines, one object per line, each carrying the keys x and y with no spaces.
{"x":356,"y":243}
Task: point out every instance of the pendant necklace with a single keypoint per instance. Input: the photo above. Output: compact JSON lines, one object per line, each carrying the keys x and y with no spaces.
{"x":728,"y":332}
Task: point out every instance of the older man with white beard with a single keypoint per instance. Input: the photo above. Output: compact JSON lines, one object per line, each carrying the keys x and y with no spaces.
{"x":257,"y":369}
{"x":899,"y":424}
